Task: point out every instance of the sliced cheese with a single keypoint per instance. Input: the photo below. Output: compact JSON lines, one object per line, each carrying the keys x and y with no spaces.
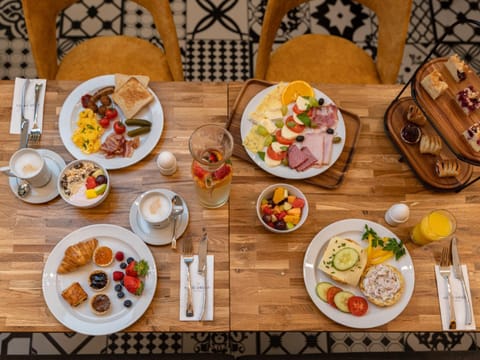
{"x":270,"y":108}
{"x":288,"y":134}
{"x":270,"y":162}
{"x":350,"y":276}
{"x":302,"y":103}
{"x":277,"y":147}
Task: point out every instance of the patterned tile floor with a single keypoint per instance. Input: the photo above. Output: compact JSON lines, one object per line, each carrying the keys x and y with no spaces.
{"x":226,"y":32}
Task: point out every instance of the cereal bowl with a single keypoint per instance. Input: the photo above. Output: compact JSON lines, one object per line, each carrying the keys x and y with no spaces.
{"x":84,"y":183}
{"x":282,"y":208}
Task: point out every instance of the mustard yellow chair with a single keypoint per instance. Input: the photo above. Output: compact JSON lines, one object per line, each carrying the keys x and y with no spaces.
{"x":105,"y":54}
{"x":332,"y":59}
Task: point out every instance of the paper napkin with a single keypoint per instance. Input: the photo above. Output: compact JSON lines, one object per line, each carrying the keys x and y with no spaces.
{"x":16,"y":118}
{"x":197,"y":290}
{"x":459,"y":300}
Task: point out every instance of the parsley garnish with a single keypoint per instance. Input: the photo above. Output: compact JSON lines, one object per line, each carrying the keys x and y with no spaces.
{"x":387,"y":244}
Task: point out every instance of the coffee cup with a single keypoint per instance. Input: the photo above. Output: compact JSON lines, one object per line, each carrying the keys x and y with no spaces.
{"x":155,"y":208}
{"x":28,"y":164}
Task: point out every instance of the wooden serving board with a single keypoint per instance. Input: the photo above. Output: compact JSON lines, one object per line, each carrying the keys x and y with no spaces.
{"x":329,"y":179}
{"x":444,"y":113}
{"x":423,"y":165}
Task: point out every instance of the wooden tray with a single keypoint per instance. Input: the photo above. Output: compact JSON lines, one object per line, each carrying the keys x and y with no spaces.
{"x":329,"y":179}
{"x":423,"y":165}
{"x":444,"y":113}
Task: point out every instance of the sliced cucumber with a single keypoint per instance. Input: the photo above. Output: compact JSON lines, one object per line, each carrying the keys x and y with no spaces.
{"x":341,"y":300}
{"x":345,"y":259}
{"x":322,"y":288}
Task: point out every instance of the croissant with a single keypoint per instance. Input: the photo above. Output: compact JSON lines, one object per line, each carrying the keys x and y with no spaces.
{"x":77,"y":255}
{"x":415,"y":116}
{"x":446,"y":168}
{"x":430,"y":144}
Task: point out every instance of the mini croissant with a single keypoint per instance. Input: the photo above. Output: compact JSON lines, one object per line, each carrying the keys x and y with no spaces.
{"x":77,"y":255}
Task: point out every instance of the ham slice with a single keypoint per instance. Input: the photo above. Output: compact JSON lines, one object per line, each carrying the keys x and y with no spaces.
{"x":295,"y":156}
{"x":327,"y":148}
{"x":314,"y":142}
{"x":325,"y":116}
{"x":311,"y":160}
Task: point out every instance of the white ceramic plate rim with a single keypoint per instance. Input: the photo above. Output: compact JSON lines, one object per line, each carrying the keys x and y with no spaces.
{"x":353,"y":229}
{"x":284,"y":171}
{"x":69,"y":116}
{"x":90,"y":324}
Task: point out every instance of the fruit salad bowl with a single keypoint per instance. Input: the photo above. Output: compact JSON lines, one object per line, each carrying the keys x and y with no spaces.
{"x":282,"y":208}
{"x":84,"y":183}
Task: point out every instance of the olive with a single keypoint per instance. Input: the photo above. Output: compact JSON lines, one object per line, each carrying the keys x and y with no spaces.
{"x":280,"y":225}
{"x":300,"y":138}
{"x":330,"y":131}
{"x":321,"y":101}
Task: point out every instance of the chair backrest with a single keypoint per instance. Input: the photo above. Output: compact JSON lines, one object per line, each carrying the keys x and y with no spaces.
{"x":393,"y":18}
{"x":41,"y":15}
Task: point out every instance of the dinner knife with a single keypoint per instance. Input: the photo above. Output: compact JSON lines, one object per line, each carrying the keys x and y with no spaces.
{"x":24,"y":123}
{"x":202,"y":268}
{"x":457,"y":270}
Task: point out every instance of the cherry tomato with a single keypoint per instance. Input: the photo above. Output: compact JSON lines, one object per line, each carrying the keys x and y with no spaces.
{"x":357,"y":305}
{"x":111,"y":113}
{"x":294,"y":126}
{"x":104,"y":122}
{"x":118,"y":127}
{"x":331,"y":292}
{"x":272,"y":154}
{"x":282,"y":140}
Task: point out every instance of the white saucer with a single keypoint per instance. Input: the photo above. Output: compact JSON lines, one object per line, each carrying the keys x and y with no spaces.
{"x":48,"y":192}
{"x":156,"y":236}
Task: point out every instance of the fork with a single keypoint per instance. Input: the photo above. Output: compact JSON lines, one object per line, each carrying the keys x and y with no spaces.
{"x":35,"y":132}
{"x":445,"y":272}
{"x":188,"y":259}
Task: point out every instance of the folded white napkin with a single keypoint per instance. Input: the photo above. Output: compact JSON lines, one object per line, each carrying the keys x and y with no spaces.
{"x":197,"y":290}
{"x":16,"y":118}
{"x":459,"y":303}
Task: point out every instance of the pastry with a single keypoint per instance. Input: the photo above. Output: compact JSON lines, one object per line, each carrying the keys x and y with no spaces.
{"x":103,"y":256}
{"x":434,"y":84}
{"x":74,"y":294}
{"x":415,"y":115}
{"x":382,"y":284}
{"x":457,"y":68}
{"x":447,"y":168}
{"x":430,"y":144}
{"x":131,"y":97}
{"x":77,"y":255}
{"x":100,"y":304}
{"x":98,"y":280}
{"x":468,"y":99}
{"x":472,"y":135}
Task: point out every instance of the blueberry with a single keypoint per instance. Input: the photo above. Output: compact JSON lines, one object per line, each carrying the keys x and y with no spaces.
{"x":120,"y":294}
{"x":130,"y":259}
{"x":118,"y":287}
{"x":127,"y":303}
{"x":123,"y":265}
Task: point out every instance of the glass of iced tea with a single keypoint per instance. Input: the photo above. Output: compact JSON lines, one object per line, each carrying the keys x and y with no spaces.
{"x":211,"y":147}
{"x":436,"y":225}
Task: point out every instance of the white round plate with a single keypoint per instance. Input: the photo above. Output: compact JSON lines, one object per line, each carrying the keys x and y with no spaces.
{"x":157,"y":236}
{"x":69,"y":117}
{"x":81,"y":319}
{"x":353,"y":229}
{"x":284,"y":171}
{"x":48,"y":192}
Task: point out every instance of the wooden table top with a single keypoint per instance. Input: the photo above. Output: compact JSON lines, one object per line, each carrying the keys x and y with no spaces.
{"x":258,"y":275}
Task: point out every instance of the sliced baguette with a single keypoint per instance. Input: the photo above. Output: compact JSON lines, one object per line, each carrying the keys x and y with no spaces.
{"x":131,"y":97}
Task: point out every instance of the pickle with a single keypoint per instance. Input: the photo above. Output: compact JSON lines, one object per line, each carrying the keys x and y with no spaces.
{"x":139,"y":131}
{"x":138,"y":122}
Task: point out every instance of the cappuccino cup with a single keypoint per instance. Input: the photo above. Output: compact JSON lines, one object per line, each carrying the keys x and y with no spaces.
{"x":29,"y":165}
{"x":155,"y":208}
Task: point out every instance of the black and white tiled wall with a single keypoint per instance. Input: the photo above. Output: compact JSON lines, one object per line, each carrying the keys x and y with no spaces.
{"x":219,"y":40}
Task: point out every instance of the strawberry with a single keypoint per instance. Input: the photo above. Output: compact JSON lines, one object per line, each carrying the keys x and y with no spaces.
{"x":117,"y":275}
{"x":137,"y":268}
{"x":222,"y":172}
{"x":133,"y":285}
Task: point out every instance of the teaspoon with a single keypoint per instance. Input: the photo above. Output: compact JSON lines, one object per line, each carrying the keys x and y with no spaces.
{"x":177,"y":211}
{"x":23,"y":188}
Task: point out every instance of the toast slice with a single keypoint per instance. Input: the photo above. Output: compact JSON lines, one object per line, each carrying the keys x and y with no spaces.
{"x":121,"y":79}
{"x":131,"y":97}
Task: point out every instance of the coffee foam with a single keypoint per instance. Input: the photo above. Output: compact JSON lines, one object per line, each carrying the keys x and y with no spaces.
{"x":27,"y":164}
{"x":155,"y":208}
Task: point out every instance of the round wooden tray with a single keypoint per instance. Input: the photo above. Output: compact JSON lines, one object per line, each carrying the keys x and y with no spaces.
{"x":444,"y":114}
{"x":423,"y":165}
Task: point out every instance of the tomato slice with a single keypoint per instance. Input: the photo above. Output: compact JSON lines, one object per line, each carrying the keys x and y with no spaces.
{"x":294,"y":126}
{"x":357,"y":305}
{"x":331,"y":292}
{"x":272,"y":154}
{"x":297,"y":111}
{"x":281,"y":139}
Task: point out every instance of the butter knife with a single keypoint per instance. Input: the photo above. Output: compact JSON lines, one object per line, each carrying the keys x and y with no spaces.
{"x":24,"y":123}
{"x":202,"y":268}
{"x":457,"y":270}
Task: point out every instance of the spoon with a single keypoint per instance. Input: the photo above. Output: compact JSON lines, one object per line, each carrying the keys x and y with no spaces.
{"x":177,"y":211}
{"x":23,"y":188}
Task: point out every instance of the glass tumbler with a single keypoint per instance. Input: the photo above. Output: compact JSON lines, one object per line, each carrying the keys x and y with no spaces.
{"x":211,"y":147}
{"x":436,"y":225}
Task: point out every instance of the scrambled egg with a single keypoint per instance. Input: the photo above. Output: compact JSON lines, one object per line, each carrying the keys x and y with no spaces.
{"x":87,"y":136}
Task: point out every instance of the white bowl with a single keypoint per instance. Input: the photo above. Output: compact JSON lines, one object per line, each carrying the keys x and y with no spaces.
{"x":268,"y":194}
{"x":72,"y":180}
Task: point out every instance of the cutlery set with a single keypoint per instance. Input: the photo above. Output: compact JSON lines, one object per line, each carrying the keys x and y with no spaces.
{"x":450,"y":265}
{"x":35,"y":133}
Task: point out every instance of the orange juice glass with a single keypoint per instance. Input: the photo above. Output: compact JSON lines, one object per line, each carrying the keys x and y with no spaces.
{"x":437,"y":225}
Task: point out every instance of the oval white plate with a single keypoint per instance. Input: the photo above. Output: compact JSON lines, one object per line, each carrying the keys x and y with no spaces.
{"x":81,"y":319}
{"x":284,"y":171}
{"x":353,"y":229}
{"x":72,"y":106}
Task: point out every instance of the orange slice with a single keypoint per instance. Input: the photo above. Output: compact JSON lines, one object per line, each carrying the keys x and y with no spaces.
{"x":295,"y":89}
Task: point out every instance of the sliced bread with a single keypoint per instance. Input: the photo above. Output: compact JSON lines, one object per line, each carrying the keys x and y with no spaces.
{"x":131,"y":97}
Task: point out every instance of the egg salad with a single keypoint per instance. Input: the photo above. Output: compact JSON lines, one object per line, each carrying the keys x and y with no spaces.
{"x":87,"y":136}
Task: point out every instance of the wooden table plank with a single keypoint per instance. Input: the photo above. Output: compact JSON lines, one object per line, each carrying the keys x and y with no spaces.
{"x":266,"y":269}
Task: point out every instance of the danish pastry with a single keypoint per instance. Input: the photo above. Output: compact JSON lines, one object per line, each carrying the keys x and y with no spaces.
{"x":447,"y":168}
{"x":415,"y":115}
{"x":430,"y":144}
{"x":74,"y":294}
